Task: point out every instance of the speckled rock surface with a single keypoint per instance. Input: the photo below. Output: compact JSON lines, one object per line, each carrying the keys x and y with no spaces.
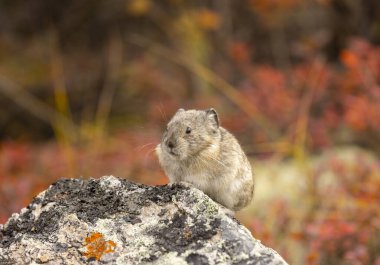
{"x":114,"y":221}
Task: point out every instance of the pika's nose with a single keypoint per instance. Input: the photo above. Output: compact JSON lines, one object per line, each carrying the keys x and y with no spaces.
{"x":170,"y":144}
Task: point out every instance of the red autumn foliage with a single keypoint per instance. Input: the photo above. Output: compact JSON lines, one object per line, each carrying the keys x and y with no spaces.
{"x":291,"y":79}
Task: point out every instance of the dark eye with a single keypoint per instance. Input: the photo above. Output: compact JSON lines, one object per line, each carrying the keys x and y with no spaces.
{"x":188,"y":130}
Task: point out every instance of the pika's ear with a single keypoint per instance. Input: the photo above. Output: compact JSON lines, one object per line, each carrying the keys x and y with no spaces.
{"x":213,"y":116}
{"x":179,"y":111}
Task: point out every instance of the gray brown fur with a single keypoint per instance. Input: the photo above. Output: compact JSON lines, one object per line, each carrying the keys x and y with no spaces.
{"x":208,"y":157}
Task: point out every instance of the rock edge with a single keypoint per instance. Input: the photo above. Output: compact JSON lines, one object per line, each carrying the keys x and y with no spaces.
{"x":114,"y":221}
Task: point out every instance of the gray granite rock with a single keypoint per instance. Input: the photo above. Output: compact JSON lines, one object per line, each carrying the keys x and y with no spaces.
{"x":114,"y":221}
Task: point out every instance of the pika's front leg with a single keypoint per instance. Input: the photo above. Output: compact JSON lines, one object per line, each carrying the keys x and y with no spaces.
{"x":227,"y":211}
{"x":181,"y":183}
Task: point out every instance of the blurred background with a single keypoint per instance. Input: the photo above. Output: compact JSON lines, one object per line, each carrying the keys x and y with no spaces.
{"x":87,"y":86}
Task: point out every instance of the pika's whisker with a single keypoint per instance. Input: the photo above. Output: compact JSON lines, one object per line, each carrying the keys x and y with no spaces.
{"x":147,"y":154}
{"x":162,"y":111}
{"x":141,"y":147}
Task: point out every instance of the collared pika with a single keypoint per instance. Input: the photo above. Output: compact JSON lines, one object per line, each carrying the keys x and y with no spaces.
{"x":196,"y":150}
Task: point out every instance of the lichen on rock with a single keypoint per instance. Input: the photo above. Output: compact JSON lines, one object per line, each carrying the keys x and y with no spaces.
{"x":114,"y":221}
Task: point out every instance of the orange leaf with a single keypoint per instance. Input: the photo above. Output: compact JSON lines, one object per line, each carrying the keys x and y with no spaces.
{"x":312,"y":257}
{"x":208,"y":19}
{"x":297,"y":236}
{"x":239,"y":51}
{"x":139,"y":7}
{"x":349,"y":59}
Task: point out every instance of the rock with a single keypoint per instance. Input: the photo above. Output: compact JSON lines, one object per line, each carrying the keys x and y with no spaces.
{"x":114,"y":221}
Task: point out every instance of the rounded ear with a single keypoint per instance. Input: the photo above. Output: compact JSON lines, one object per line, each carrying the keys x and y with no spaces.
{"x":213,"y":116}
{"x":180,"y":110}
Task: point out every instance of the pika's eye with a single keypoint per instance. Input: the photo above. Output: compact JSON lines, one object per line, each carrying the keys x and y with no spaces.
{"x":188,"y":130}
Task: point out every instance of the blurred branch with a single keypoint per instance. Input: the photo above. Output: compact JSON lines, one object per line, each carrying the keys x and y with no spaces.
{"x":279,"y":47}
{"x":58,"y":77}
{"x":304,"y":109}
{"x":61,"y":100}
{"x":113,"y":65}
{"x":225,"y":9}
{"x":211,"y":77}
{"x":276,"y":147}
{"x":38,"y":108}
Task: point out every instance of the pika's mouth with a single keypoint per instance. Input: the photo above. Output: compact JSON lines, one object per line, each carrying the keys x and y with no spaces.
{"x":172,"y":153}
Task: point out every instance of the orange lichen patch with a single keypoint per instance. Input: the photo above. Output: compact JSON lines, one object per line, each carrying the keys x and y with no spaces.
{"x":97,"y":246}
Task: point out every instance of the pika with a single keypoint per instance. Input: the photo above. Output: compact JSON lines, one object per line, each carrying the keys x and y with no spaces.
{"x":195,"y":149}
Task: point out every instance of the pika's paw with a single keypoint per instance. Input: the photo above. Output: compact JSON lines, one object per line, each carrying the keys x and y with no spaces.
{"x":228,"y":212}
{"x":181,"y":184}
